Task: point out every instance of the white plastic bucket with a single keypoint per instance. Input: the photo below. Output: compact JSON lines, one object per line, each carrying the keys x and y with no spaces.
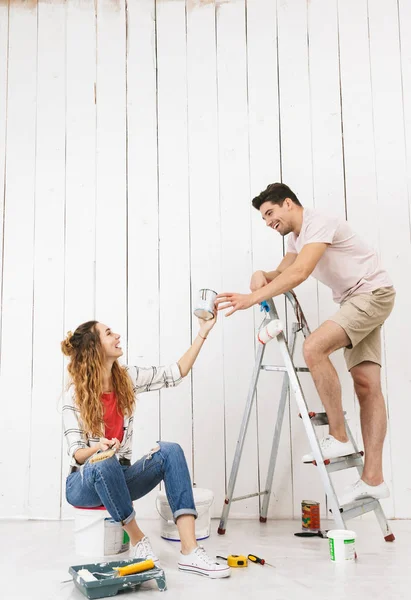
{"x":203,"y":500}
{"x":342,"y":544}
{"x":97,"y":534}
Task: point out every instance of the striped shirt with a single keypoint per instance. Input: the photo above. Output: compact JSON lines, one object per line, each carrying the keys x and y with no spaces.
{"x":144,"y":379}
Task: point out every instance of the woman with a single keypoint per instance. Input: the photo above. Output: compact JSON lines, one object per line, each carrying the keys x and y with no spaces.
{"x":98,"y":414}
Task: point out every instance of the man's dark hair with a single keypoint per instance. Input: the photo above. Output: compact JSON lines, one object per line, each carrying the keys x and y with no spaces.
{"x":275,"y":193}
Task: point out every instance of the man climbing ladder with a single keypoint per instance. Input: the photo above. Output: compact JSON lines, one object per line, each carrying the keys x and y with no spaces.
{"x":328,"y":249}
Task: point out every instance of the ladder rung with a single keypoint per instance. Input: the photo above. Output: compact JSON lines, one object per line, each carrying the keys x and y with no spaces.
{"x":247,"y":496}
{"x":319,"y":418}
{"x":355,"y":509}
{"x":345,"y":462}
{"x":275,"y":368}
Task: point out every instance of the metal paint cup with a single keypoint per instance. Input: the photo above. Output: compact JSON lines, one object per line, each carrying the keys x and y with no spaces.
{"x":205,"y":304}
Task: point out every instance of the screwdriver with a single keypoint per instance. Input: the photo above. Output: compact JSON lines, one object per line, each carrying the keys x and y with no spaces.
{"x":260,"y":561}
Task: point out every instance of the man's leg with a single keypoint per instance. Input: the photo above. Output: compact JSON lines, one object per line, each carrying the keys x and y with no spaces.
{"x":367,"y":385}
{"x":328,"y":338}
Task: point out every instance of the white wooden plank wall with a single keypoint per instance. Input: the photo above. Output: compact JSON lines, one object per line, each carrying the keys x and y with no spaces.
{"x":133,"y":136}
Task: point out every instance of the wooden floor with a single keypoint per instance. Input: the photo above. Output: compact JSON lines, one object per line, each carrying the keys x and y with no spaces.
{"x":35,"y":557}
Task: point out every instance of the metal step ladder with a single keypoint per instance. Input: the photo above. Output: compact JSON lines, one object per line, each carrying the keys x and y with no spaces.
{"x":341,"y":514}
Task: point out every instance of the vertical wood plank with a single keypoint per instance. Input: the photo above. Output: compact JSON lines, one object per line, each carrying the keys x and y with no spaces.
{"x":4,"y":51}
{"x":205,"y":235}
{"x":17,"y":293}
{"x":267,"y":247}
{"x":238,"y":330}
{"x":393,"y":208}
{"x":328,"y":167}
{"x":175,"y":292}
{"x":111,"y":224}
{"x":142,"y":210}
{"x":359,"y":149}
{"x":80,"y":215}
{"x":297,"y":172}
{"x":48,"y":298}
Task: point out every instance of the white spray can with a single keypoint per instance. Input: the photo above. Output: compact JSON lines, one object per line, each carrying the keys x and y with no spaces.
{"x":270,"y":331}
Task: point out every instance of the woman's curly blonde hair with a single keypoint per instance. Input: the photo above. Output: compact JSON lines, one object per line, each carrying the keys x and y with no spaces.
{"x":85,"y":351}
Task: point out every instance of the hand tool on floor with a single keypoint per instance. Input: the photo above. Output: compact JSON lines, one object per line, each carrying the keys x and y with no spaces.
{"x":321,"y":534}
{"x":235,"y":560}
{"x":260,"y":561}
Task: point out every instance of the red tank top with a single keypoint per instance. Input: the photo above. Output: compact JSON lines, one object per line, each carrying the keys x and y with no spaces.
{"x":113,"y":420}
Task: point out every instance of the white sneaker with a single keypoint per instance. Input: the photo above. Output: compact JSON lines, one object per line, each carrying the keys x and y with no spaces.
{"x":200,"y":563}
{"x":144,"y":550}
{"x":361,"y":490}
{"x":331,"y":448}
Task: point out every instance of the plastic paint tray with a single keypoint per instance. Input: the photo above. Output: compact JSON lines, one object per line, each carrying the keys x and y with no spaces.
{"x":106,"y":587}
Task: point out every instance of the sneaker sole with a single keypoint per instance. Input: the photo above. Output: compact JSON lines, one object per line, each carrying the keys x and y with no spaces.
{"x":203,"y":573}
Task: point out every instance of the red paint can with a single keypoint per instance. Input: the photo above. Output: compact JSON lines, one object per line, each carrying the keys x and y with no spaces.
{"x":310,"y":515}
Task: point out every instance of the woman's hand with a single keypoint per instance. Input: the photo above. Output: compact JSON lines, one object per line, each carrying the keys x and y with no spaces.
{"x":206,"y":326}
{"x":105,"y":444}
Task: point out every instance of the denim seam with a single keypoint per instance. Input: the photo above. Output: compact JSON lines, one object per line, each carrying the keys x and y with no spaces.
{"x":108,"y":492}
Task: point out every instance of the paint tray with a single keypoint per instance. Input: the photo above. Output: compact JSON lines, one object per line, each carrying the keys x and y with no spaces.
{"x":110,"y":586}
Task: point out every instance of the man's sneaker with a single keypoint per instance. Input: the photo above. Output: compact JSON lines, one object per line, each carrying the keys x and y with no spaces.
{"x":200,"y":563}
{"x":331,"y":448}
{"x":144,"y":550}
{"x":361,"y":490}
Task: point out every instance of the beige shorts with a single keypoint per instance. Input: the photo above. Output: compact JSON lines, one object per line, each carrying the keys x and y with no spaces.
{"x":361,"y":316}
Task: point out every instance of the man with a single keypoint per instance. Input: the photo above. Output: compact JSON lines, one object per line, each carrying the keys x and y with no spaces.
{"x":326,"y":248}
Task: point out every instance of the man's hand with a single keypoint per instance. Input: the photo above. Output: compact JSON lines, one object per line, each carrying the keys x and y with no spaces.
{"x":258,"y":280}
{"x":233,"y":301}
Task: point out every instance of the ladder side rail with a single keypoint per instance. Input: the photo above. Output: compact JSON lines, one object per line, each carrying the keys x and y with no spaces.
{"x":312,"y":437}
{"x":277,"y":432}
{"x":241,"y":438}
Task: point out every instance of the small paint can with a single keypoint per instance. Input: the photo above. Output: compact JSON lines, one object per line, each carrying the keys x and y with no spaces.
{"x":310,"y":515}
{"x":205,"y":304}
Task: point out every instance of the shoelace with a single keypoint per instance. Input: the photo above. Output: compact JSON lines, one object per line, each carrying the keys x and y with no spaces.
{"x":201,"y":553}
{"x":147,"y":549}
{"x":326,"y":442}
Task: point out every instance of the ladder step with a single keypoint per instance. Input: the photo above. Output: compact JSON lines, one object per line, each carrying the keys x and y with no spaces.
{"x":318,"y":418}
{"x":283,"y":369}
{"x":345,"y":462}
{"x":361,"y":507}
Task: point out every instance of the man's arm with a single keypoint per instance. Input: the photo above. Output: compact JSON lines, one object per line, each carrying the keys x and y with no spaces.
{"x":260,"y":278}
{"x":287,"y":261}
{"x":297,"y":272}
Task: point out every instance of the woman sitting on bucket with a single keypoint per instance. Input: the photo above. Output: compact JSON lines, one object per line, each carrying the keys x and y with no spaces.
{"x":98,"y":414}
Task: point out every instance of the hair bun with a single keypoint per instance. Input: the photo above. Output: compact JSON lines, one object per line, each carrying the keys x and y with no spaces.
{"x":66,"y":345}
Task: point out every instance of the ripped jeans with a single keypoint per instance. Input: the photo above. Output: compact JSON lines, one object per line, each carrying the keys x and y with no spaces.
{"x":115,"y":486}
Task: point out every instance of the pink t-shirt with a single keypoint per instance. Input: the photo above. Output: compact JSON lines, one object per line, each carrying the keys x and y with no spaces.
{"x":348,"y":266}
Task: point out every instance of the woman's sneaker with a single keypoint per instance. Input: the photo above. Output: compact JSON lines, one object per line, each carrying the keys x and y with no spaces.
{"x":200,"y":563}
{"x":144,"y":550}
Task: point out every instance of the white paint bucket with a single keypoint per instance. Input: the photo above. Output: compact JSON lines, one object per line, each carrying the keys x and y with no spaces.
{"x":205,"y":304}
{"x":203,"y":500}
{"x":97,"y":534}
{"x":270,"y":331}
{"x":342,"y":545}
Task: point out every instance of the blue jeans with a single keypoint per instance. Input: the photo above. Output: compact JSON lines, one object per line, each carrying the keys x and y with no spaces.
{"x":115,"y":486}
